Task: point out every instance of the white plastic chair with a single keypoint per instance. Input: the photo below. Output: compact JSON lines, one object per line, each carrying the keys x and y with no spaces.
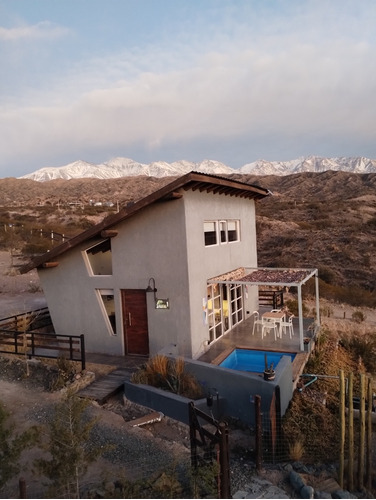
{"x":256,"y":321}
{"x":269,"y":325}
{"x":288,"y":326}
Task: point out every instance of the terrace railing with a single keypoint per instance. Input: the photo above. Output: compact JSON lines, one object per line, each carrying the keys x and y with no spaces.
{"x":271,"y":298}
{"x":26,"y":321}
{"x":43,"y":345}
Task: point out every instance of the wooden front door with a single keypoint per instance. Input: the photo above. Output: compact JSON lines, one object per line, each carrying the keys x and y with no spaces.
{"x":135,"y":322}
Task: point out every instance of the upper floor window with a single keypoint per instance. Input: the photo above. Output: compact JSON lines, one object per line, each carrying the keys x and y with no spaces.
{"x":210,"y":233}
{"x":223,"y":231}
{"x":233,"y":230}
{"x":100,"y":258}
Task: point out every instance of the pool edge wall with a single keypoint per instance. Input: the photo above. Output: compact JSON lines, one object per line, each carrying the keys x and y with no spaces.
{"x":236,"y":392}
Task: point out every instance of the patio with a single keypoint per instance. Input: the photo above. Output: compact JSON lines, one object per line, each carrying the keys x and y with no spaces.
{"x":272,"y":279}
{"x":241,"y":337}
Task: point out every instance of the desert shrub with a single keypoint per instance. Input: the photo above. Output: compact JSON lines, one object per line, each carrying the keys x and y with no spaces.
{"x":327,"y":274}
{"x":12,"y":445}
{"x":358,"y":316}
{"x":357,"y":297}
{"x":65,"y":373}
{"x":372,"y":223}
{"x":363,"y":347}
{"x":34,"y":288}
{"x":168,"y":374}
{"x":68,"y":444}
{"x":326,"y":311}
{"x":37,"y":248}
{"x":292,"y":306}
{"x":303,"y":423}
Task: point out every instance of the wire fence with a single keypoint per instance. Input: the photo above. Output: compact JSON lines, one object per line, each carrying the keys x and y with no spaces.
{"x":136,"y":464}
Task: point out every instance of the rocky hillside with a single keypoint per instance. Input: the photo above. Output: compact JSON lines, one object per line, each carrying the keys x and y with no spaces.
{"x":325,"y":220}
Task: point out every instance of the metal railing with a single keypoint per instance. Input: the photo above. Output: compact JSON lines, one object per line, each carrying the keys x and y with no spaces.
{"x":30,"y":320}
{"x":43,"y":345}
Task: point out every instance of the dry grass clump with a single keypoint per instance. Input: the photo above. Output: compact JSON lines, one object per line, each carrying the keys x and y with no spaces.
{"x":296,"y":450}
{"x":168,"y":374}
{"x":311,"y":424}
{"x":311,"y":428}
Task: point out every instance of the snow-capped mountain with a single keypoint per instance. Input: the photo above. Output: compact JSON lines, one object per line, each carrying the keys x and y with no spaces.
{"x":357,"y":165}
{"x":126,"y":167}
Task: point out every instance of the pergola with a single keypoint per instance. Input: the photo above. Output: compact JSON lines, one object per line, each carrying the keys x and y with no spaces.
{"x":270,"y":277}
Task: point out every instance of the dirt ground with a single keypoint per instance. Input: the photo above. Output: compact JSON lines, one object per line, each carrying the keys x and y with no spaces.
{"x":18,"y":292}
{"x":28,"y":401}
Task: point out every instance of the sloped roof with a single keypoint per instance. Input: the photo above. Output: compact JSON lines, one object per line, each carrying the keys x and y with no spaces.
{"x":192,"y":181}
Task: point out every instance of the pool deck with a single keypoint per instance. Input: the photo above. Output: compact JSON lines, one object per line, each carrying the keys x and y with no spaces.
{"x":241,"y":337}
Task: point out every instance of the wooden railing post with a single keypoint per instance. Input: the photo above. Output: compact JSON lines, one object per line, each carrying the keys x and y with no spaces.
{"x":83,"y":356}
{"x":32,"y":343}
{"x":224,"y":461}
{"x":15,"y":336}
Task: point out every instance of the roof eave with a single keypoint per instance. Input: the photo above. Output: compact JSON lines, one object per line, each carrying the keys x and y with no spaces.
{"x":187,"y":181}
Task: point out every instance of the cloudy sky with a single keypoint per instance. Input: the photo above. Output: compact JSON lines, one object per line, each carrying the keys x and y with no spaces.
{"x":227,"y":80}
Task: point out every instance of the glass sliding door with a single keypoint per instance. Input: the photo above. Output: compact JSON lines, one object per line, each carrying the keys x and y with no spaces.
{"x":224,"y":308}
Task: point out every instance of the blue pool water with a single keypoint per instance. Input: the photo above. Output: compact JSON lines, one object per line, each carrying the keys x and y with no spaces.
{"x":250,"y":360}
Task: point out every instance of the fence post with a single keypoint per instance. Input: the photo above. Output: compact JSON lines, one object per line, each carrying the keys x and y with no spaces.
{"x":361,"y":433}
{"x":369,"y":436}
{"x":83,"y":356}
{"x":192,"y":436}
{"x":15,"y":336}
{"x":258,"y":433}
{"x":32,"y":343}
{"x":350,"y":481}
{"x":342,"y":428}
{"x":278,"y":418}
{"x":22,"y":487}
{"x":224,"y":461}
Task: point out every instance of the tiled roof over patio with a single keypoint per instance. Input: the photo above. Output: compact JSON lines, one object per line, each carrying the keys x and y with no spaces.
{"x":266,"y":276}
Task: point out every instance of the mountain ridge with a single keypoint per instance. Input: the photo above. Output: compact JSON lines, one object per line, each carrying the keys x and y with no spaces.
{"x":126,"y":167}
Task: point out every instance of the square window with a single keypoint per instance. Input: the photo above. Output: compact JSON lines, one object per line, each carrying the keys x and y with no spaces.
{"x":233,"y":230}
{"x":210,"y":233}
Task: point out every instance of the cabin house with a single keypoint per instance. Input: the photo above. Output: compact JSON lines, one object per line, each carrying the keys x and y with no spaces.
{"x":155,"y":274}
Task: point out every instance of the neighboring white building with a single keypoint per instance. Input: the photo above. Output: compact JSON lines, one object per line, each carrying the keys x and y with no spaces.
{"x":137,"y":283}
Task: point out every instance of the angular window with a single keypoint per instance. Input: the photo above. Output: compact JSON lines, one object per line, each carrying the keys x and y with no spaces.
{"x":100,"y":258}
{"x":108,"y":307}
{"x":210,"y":233}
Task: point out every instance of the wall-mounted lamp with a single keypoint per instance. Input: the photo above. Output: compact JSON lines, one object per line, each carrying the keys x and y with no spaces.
{"x":159,"y":303}
{"x":151,"y":288}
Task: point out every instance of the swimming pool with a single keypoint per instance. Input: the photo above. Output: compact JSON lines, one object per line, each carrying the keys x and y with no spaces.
{"x":250,"y":360}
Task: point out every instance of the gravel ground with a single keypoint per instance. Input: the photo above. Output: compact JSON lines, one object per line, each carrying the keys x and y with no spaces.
{"x":130,"y":452}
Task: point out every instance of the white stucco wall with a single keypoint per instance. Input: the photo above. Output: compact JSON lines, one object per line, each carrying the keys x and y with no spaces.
{"x":164,"y":241}
{"x":208,"y":262}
